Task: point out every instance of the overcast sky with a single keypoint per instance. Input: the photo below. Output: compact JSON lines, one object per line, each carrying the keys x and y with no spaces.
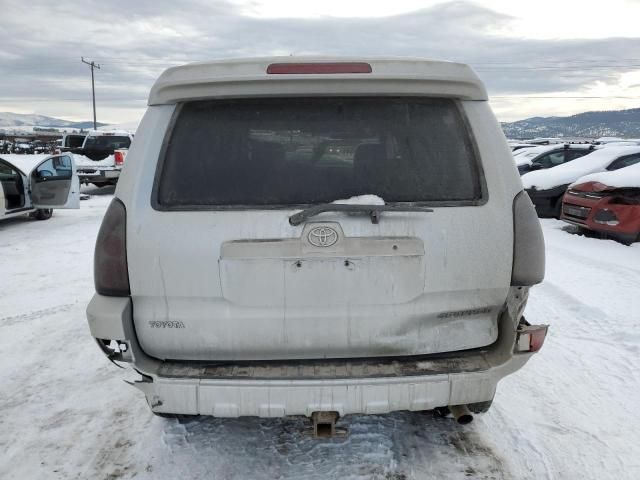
{"x":536,"y":58}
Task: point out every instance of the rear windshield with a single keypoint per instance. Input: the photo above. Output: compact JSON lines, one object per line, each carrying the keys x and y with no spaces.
{"x":108,"y":141}
{"x":300,"y":151}
{"x":74,"y":141}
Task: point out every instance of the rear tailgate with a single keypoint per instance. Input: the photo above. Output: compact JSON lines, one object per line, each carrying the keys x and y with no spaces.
{"x":209,"y":301}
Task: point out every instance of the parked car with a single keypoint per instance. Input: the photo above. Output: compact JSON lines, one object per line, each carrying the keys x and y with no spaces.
{"x":23,"y":148}
{"x":546,"y":141}
{"x":319,"y":237}
{"x":37,"y":184}
{"x":549,"y":156}
{"x":547,"y":187}
{"x":102,"y":156}
{"x":5,"y":146}
{"x":607,"y":203}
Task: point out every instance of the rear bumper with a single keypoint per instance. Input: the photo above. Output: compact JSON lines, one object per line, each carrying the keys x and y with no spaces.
{"x":98,"y":174}
{"x":276,"y":389}
{"x":278,"y":398}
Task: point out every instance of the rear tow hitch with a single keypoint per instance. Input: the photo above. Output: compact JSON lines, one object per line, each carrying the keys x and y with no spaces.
{"x":324,"y":425}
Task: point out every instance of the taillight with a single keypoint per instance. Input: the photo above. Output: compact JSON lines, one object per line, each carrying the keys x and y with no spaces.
{"x":318,"y":67}
{"x":528,"y":244}
{"x":531,"y":337}
{"x":110,"y":272}
{"x":119,"y":158}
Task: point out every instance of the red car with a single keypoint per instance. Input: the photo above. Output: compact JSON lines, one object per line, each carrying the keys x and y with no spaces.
{"x":607,"y":202}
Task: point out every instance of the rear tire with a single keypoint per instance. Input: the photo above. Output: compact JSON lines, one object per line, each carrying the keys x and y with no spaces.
{"x":42,"y":214}
{"x":557,"y":210}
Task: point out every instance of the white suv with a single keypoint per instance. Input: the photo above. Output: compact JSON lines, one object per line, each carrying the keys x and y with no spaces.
{"x":303,"y":236}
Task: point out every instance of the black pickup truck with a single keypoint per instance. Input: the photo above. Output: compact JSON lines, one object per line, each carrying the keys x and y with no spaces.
{"x":99,"y":145}
{"x":101,"y":157}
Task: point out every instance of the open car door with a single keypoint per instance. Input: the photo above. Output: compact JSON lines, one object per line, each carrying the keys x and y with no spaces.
{"x":55,"y":183}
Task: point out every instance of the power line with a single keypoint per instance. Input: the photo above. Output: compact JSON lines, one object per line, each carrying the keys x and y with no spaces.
{"x":490,"y":66}
{"x":63,"y":99}
{"x":93,"y":65}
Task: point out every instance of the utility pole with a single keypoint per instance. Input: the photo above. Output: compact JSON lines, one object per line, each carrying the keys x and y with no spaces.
{"x":93,"y":65}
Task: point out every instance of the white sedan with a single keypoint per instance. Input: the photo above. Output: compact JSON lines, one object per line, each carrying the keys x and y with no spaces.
{"x":36,"y":184}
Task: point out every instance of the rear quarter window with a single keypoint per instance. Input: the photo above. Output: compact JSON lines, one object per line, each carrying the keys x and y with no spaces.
{"x":299,"y":151}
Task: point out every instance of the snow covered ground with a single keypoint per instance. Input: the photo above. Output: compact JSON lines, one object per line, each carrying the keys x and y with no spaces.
{"x":65,"y":412}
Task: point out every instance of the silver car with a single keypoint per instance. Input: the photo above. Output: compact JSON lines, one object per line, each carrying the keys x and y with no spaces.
{"x":320,"y":237}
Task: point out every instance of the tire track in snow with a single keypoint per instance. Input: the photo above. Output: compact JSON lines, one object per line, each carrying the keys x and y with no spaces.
{"x":25,"y":317}
{"x":572,"y":407}
{"x":580,"y":321}
{"x":624,"y":270}
{"x":533,"y":461}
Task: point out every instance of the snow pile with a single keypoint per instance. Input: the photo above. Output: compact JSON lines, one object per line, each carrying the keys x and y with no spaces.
{"x":625,"y":177}
{"x":110,"y":130}
{"x":569,"y":172}
{"x":126,"y":126}
{"x":521,"y":145}
{"x":624,"y":143}
{"x":361,"y":200}
{"x":83,"y":161}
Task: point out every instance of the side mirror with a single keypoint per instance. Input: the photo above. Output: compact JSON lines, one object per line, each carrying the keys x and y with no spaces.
{"x":535,"y":166}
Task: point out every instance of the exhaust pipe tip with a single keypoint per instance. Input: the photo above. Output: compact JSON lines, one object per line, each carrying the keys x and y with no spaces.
{"x":461,"y":413}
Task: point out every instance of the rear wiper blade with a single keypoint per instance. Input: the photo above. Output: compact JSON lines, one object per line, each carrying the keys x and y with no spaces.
{"x":372,"y":210}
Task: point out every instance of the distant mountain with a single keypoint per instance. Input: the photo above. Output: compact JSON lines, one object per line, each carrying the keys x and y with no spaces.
{"x":8,"y":119}
{"x":614,"y":123}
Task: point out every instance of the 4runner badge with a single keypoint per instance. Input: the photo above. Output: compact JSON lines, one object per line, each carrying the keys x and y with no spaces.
{"x":322,"y":236}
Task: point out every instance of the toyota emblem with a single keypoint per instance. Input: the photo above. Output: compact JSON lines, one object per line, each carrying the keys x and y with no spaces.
{"x":322,"y":236}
